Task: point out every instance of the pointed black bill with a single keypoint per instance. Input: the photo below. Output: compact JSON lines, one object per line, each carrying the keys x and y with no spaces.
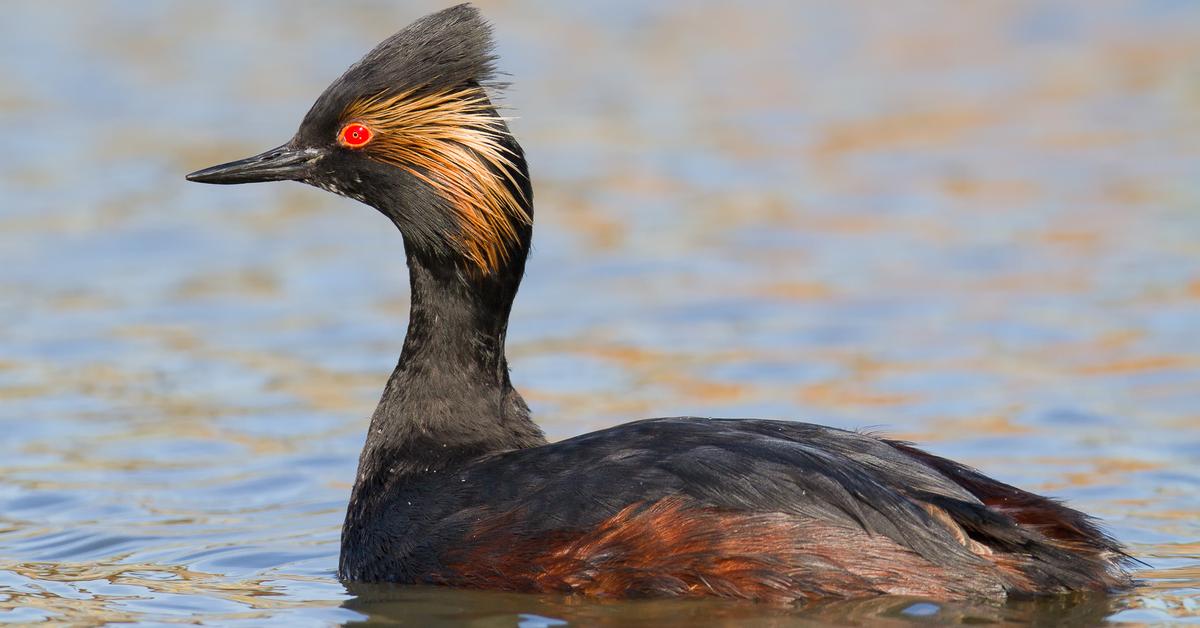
{"x":278,"y":164}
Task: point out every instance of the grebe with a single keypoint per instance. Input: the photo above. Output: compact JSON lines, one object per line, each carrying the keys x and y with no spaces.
{"x":457,"y":486}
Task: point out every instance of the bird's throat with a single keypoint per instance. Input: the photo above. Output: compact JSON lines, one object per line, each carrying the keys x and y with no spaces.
{"x":449,"y":399}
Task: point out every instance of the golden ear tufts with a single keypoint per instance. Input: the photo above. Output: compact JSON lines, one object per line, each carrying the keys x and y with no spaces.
{"x":451,"y":140}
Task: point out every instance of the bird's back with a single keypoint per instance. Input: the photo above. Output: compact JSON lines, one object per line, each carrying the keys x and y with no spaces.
{"x":757,"y":509}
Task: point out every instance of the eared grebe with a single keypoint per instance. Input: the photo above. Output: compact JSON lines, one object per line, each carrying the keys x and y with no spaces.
{"x":457,"y":486}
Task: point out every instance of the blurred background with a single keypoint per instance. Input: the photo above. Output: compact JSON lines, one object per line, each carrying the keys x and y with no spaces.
{"x":975,"y":225}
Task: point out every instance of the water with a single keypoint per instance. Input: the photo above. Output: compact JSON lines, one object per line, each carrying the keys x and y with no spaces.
{"x":974,"y":225}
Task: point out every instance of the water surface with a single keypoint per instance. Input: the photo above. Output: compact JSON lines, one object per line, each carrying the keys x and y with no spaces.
{"x":974,"y":225}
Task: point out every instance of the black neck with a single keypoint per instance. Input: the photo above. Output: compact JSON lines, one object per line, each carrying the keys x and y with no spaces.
{"x":449,"y":399}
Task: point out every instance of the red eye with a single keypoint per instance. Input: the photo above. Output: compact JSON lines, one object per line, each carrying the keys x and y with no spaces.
{"x":354,"y":135}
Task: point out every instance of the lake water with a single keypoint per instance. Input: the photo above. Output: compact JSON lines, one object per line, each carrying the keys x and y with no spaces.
{"x":974,"y":225}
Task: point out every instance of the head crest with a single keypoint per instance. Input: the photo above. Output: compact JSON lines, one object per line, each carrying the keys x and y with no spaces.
{"x":441,"y":50}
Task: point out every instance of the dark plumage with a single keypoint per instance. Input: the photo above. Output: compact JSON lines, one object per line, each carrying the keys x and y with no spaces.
{"x":457,"y":486}
{"x":503,"y":520}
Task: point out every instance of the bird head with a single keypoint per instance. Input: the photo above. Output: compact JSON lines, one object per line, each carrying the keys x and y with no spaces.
{"x":411,"y":130}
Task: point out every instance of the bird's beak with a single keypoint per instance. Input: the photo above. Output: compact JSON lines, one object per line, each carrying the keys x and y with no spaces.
{"x":285,"y":163}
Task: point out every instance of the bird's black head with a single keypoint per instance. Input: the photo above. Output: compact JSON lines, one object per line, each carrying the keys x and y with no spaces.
{"x":411,"y":130}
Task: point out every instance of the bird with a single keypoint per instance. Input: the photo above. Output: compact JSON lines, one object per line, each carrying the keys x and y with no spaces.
{"x":457,"y":486}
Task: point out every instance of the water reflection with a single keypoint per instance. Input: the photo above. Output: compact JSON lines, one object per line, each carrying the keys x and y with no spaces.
{"x":440,"y":607}
{"x":970,"y":225}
